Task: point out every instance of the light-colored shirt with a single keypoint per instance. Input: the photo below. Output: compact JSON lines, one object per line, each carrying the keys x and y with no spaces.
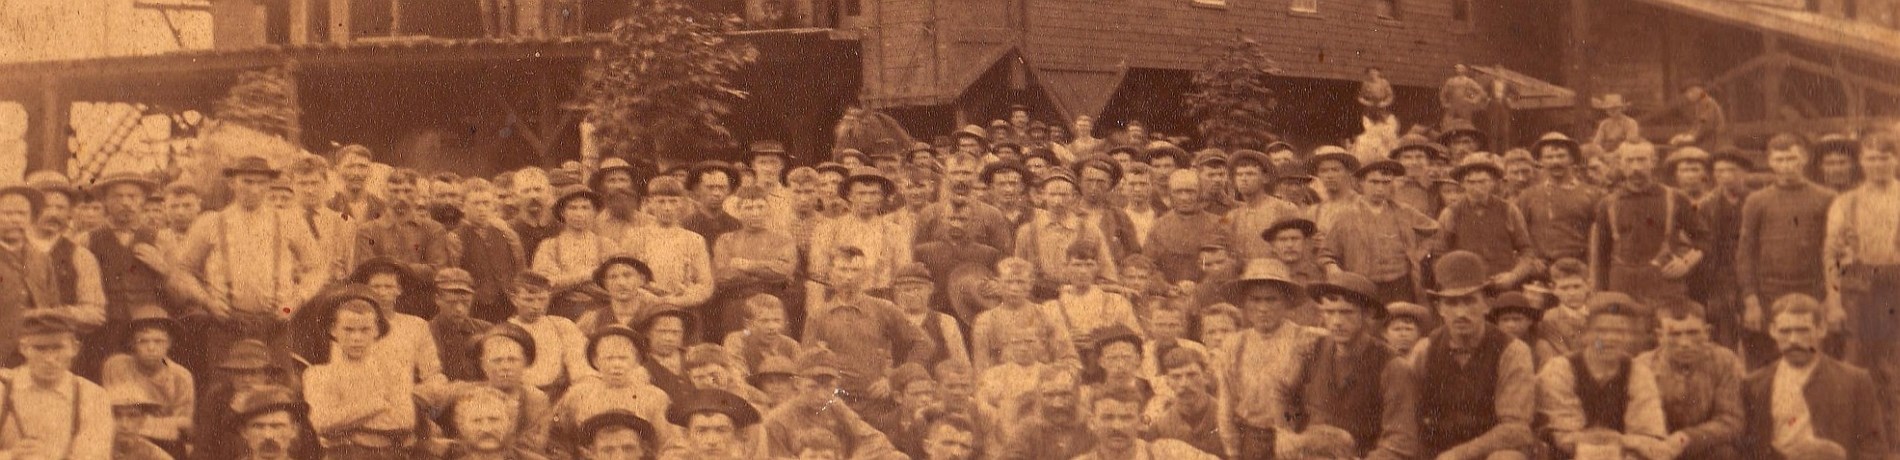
{"x":258,"y":261}
{"x":346,"y":394}
{"x":89,"y":307}
{"x":774,"y":253}
{"x":172,"y":386}
{"x":569,"y":258}
{"x":1860,"y":229}
{"x":1644,"y":426}
{"x":561,"y":350}
{"x":1261,"y":372}
{"x":72,"y":418}
{"x":1794,"y":423}
{"x":409,"y":349}
{"x":1143,"y":220}
{"x":1254,"y":217}
{"x":884,"y":245}
{"x":1083,"y":313}
{"x":1045,"y":240}
{"x":991,"y":328}
{"x":585,"y":400}
{"x":682,"y":268}
{"x":1159,"y":449}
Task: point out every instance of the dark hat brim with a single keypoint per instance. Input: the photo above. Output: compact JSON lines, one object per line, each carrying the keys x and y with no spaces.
{"x":170,"y":326}
{"x":688,"y":322}
{"x":1389,"y":167}
{"x":884,"y":183}
{"x":1575,"y":148}
{"x":989,"y":171}
{"x":1480,"y":136}
{"x":1460,"y":172}
{"x":593,"y":426}
{"x":1364,"y":301}
{"x":1351,"y":162}
{"x":1526,"y":310}
{"x":1306,"y":227}
{"x":1456,"y":292}
{"x":1432,"y":149}
{"x":582,"y":194}
{"x":757,"y":379}
{"x":600,"y":272}
{"x":1235,"y":290}
{"x":742,"y":414}
{"x":241,"y":170}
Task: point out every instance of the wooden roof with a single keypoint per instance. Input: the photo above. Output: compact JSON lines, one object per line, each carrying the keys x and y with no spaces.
{"x":1849,"y":35}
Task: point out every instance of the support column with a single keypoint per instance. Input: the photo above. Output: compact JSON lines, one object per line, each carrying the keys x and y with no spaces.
{"x":299,"y":22}
{"x":1771,"y":77}
{"x":1577,"y":61}
{"x":53,"y":119}
{"x":293,"y":80}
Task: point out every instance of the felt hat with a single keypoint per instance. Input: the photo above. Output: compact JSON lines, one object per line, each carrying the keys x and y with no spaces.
{"x":104,"y":184}
{"x":247,"y":355}
{"x":148,"y":321}
{"x":883,"y":183}
{"x":1466,"y":169}
{"x":600,"y":272}
{"x":989,"y":171}
{"x":1689,"y":153}
{"x":1180,"y":156}
{"x":1418,"y":313}
{"x":1353,"y":287}
{"x":971,"y":131}
{"x":617,"y":164}
{"x":1306,"y":227}
{"x":251,"y":165}
{"x":818,"y":362}
{"x":265,"y":400}
{"x":689,"y":322}
{"x":1392,"y":168}
{"x":1055,"y":174}
{"x":508,"y":331}
{"x":1250,"y":156}
{"x":618,"y":418}
{"x":1733,"y":156}
{"x":595,"y":336}
{"x":1512,"y":302}
{"x":578,"y":194}
{"x":1276,"y":146}
{"x":998,"y":123}
{"x":1460,"y":273}
{"x":1345,"y":159}
{"x":1558,"y":139}
{"x":913,"y":273}
{"x":49,"y":181}
{"x":45,"y":322}
{"x":36,"y":200}
{"x":1411,"y":142}
{"x":766,"y":147}
{"x":1462,"y":128}
{"x":1128,"y":149}
{"x":732,"y":174}
{"x":1102,"y":162}
{"x":830,"y":167}
{"x":454,"y":279}
{"x":1263,"y":271}
{"x":773,"y":366}
{"x":712,"y":401}
{"x":1102,"y":338}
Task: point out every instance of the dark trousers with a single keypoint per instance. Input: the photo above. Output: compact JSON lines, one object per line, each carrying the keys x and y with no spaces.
{"x":1871,"y":296}
{"x":1254,"y":443}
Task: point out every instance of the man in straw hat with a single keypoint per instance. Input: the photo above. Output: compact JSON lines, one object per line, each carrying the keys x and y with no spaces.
{"x":48,"y":412}
{"x":1559,"y":211}
{"x":1351,"y":380}
{"x":1617,"y":127}
{"x":140,"y":269}
{"x":1599,"y":399}
{"x":1262,"y":363}
{"x":1647,"y":236}
{"x":250,"y":266}
{"x":1484,"y":387}
{"x":1377,"y":237}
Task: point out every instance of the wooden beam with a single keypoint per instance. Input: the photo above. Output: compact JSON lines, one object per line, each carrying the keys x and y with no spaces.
{"x":55,"y":117}
{"x":1577,"y":54}
{"x":1771,"y":77}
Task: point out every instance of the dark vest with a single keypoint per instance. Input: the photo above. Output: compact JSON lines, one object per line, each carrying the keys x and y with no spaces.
{"x":1354,"y":402}
{"x":65,"y":273}
{"x":1603,"y":403}
{"x":127,"y":281}
{"x":1457,"y":403}
{"x":1486,"y":230}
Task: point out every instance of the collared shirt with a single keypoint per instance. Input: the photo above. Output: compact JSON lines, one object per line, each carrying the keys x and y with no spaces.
{"x":1378,"y":242}
{"x":1254,"y":217}
{"x":881,"y":240}
{"x":569,"y":258}
{"x":561,"y":351}
{"x":1084,"y":312}
{"x":682,"y":268}
{"x":992,"y":326}
{"x":1261,"y":372}
{"x":258,"y":261}
{"x":171,"y":385}
{"x":868,"y":335}
{"x":585,"y":400}
{"x":1515,"y":400}
{"x":71,"y":416}
{"x":343,"y":389}
{"x":1859,"y":224}
{"x":1793,"y":422}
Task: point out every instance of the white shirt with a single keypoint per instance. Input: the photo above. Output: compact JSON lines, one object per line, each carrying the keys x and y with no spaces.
{"x":679,"y":259}
{"x":47,"y":414}
{"x":559,"y":348}
{"x":1789,"y":406}
{"x":1086,"y":312}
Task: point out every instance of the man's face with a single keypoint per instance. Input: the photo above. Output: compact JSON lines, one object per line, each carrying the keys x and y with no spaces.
{"x":1185,"y":197}
{"x":16,"y":216}
{"x":479,"y":205}
{"x":1343,"y":319}
{"x":354,"y":332}
{"x":1415,"y":161}
{"x":485,"y":424}
{"x":1281,"y":159}
{"x":1464,"y":315}
{"x":918,"y":394}
{"x":711,"y":432}
{"x":1265,"y":305}
{"x":1461,"y":145}
{"x":445,"y":193}
{"x":1730,"y":176}
{"x":1520,"y":173}
{"x":1613,"y":334}
{"x":269,"y":435}
{"x":767,"y":321}
{"x":1058,"y":196}
{"x":616,"y":358}
{"x":354,"y":170}
{"x":970,"y":145}
{"x":1189,"y":379}
{"x":1290,"y":245}
{"x":531,"y":302}
{"x":454,"y":300}
{"x":866,"y":198}
{"x":1557,"y":160}
{"x":1138,"y":187}
{"x":1249,"y":179}
{"x":311,"y":188}
{"x":616,"y":444}
{"x":1216,"y":264}
{"x":247,"y":189}
{"x":1401,"y":334}
{"x":1115,"y":424}
{"x":1019,"y":118}
{"x":947,"y":442}
{"x":1167,"y":324}
{"x":579,"y":213}
{"x":277,"y":198}
{"x":151,"y":345}
{"x":1787,"y":164}
{"x":666,"y":336}
{"x":752,"y":213}
{"x":128,"y":420}
{"x":816,"y":391}
{"x":1479,"y":185}
{"x":182,"y":209}
{"x":713,"y":187}
{"x":1376,"y":185}
{"x":124,"y":202}
{"x":622,"y":281}
{"x":152,"y":215}
{"x":1007,"y":186}
{"x":533,"y":195}
{"x":1679,"y":335}
{"x":402,"y":194}
{"x":1571,"y":290}
{"x":1096,"y":183}
{"x":1637,"y":165}
{"x":708,"y":377}
{"x":1216,"y":328}
{"x":387,"y":286}
{"x":1038,"y":166}
{"x":48,"y":356}
{"x":616,"y":180}
{"x":1057,"y":399}
{"x":1332,"y":174}
{"x":1798,"y":335}
{"x":917,"y":192}
{"x":1692,"y":175}
{"x":503,"y":361}
{"x":956,"y":386}
{"x":1214,"y":175}
{"x":960,"y":172}
{"x":1120,"y":359}
{"x":1163,"y":165}
{"x":912,"y":297}
{"x":1515,"y":325}
{"x":850,"y":272}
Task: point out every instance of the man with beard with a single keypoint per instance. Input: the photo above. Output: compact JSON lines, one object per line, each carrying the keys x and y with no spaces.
{"x":1191,"y":415}
{"x":454,"y":324}
{"x":534,"y":219}
{"x":1559,"y":211}
{"x":361,"y":407}
{"x":1352,"y":380}
{"x":1647,"y":236}
{"x":1054,"y":427}
{"x":310,"y":181}
{"x":270,"y":422}
{"x":1700,"y":383}
{"x":251,"y":266}
{"x":484,"y":425}
{"x":1779,"y":248}
{"x":987,"y":224}
{"x":710,"y":183}
{"x":1260,"y":209}
{"x":1863,"y":265}
{"x":1483,"y":384}
{"x":405,"y":232}
{"x":1115,"y":419}
{"x":1806,"y":396}
{"x":1218,"y":193}
{"x":75,"y":269}
{"x":1176,"y":239}
{"x":622,"y":387}
{"x":1598,"y":398}
{"x":356,"y":202}
{"x":817,"y":407}
{"x":719,"y":426}
{"x":491,"y":255}
{"x":48,"y":412}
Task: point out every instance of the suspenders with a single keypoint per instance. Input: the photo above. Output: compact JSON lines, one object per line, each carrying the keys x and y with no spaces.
{"x":12,"y":415}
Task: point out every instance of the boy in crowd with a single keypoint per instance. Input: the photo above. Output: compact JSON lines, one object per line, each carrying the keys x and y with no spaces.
{"x":764,"y":335}
{"x":1562,"y":327}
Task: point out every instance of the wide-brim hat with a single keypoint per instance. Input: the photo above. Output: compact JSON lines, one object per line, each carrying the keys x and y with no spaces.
{"x":251,"y":165}
{"x":689,"y":322}
{"x":1102,"y":162}
{"x":1733,"y":156}
{"x":131,"y":328}
{"x":772,"y":367}
{"x":971,"y":131}
{"x":100,"y":187}
{"x":247,"y":355}
{"x":1353,"y":287}
{"x":732,"y":173}
{"x":989,"y":171}
{"x":1179,"y":155}
{"x":1254,"y":156}
{"x":638,"y":173}
{"x":613,"y":330}
{"x":35,"y":198}
{"x":713,"y":401}
{"x":1101,"y":338}
{"x":1512,"y":302}
{"x":1460,"y":273}
{"x":915,"y":272}
{"x":831,"y":167}
{"x":600,"y":272}
{"x":1411,"y":142}
{"x":1259,"y":272}
{"x":1276,"y":146}
{"x":132,"y":395}
{"x":619,"y":418}
{"x":884,"y":183}
{"x":264,"y":400}
{"x":1463,"y":170}
{"x":1392,"y":168}
{"x":508,"y":331}
{"x":1347,"y":159}
{"x":767,"y":147}
{"x":1209,"y":156}
{"x":1560,"y":140}
{"x":1132,"y":151}
{"x":819,"y":362}
{"x":454,"y":279}
{"x":579,"y":194}
{"x":1306,"y":227}
{"x":1835,"y":143}
{"x":1464,"y":130}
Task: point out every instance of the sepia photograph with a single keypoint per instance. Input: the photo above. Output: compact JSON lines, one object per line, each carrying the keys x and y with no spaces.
{"x":950,"y":229}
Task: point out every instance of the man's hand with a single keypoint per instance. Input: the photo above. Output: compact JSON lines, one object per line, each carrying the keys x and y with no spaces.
{"x":152,"y":257}
{"x":1751,"y":313}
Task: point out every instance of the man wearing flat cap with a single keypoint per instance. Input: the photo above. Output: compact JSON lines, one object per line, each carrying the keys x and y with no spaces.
{"x":454,"y":322}
{"x":1352,"y":380}
{"x":1377,"y":237}
{"x":48,"y":412}
{"x":252,"y":265}
{"x":1483,"y":383}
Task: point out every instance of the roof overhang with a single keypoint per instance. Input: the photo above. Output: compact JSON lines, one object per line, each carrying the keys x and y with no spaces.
{"x":1849,"y":35}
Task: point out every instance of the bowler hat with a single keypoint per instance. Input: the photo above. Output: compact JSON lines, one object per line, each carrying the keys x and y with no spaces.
{"x":35,"y":199}
{"x":694,"y":175}
{"x":1306,"y":228}
{"x":766,"y":147}
{"x":1268,"y":272}
{"x":1460,"y":273}
{"x":712,"y":401}
{"x":1355,"y":288}
{"x":1558,"y":139}
{"x":830,"y":167}
{"x":600,"y":273}
{"x":1208,"y":157}
{"x":49,"y":181}
{"x":163,"y":323}
{"x":251,"y":165}
{"x":1734,"y":157}
{"x":1460,"y":128}
{"x":1056,"y":174}
{"x":1166,"y":150}
{"x":595,"y":336}
{"x":578,"y":194}
{"x":689,"y":322}
{"x":1250,"y":156}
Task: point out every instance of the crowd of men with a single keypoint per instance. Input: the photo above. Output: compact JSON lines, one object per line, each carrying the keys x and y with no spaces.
{"x":1008,"y":292}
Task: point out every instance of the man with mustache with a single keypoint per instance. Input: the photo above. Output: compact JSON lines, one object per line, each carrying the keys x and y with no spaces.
{"x":75,"y":269}
{"x":269,"y":420}
{"x":986,"y":223}
{"x":1807,"y":397}
{"x":1484,"y":388}
{"x":534,"y":215}
{"x":1191,"y":415}
{"x":484,"y":427}
{"x":405,"y":232}
{"x":1116,"y":421}
{"x":1054,"y":427}
{"x":1700,"y":382}
{"x":1779,"y":250}
{"x":1353,"y":381}
{"x":718,"y":426}
{"x":356,"y":202}
{"x":1647,"y":236}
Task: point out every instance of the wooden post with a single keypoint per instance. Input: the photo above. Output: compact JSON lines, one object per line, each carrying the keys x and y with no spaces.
{"x":294,"y":133}
{"x":55,"y":117}
{"x":299,"y":22}
{"x":1771,"y":77}
{"x":395,"y":18}
{"x":1577,"y":59}
{"x":340,"y":21}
